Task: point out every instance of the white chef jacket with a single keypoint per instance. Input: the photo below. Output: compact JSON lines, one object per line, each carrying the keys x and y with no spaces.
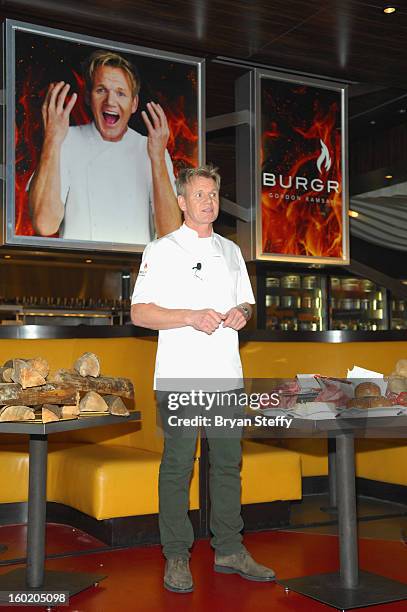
{"x":107,"y":187}
{"x":169,"y":277}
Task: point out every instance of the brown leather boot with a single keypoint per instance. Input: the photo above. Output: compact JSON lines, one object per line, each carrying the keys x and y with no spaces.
{"x":243,"y":564}
{"x":178,"y":577}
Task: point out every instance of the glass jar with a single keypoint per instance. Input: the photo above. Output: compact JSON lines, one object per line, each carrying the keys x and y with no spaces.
{"x":309,"y":282}
{"x":291,"y":281}
{"x":272,"y":281}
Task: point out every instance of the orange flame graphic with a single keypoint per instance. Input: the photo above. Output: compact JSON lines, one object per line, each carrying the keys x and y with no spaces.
{"x":306,"y":222}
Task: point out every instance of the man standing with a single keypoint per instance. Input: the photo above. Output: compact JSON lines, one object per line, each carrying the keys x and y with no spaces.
{"x":194,"y":288}
{"x":104,"y":181}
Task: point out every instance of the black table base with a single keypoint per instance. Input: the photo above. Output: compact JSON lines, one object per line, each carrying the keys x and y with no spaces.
{"x":328,"y":589}
{"x":35,"y":577}
{"x":70,"y":582}
{"x":332,"y":508}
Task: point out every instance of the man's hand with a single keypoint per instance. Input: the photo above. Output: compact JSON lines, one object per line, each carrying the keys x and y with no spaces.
{"x":235,"y":319}
{"x":206,"y":320}
{"x":55,"y":112}
{"x":158,"y":131}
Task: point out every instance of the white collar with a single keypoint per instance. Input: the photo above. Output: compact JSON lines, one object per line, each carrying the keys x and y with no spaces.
{"x":191,"y":235}
{"x":190,"y":239}
{"x":98,"y":136}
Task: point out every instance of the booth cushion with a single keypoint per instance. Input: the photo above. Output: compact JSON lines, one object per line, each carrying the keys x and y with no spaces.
{"x":14,"y":473}
{"x":313,"y":453}
{"x":101,"y":481}
{"x":383,"y":460}
{"x":269,"y":473}
{"x":108,"y":481}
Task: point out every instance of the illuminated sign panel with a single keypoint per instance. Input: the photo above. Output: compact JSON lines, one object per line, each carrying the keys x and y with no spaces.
{"x":301,"y":170}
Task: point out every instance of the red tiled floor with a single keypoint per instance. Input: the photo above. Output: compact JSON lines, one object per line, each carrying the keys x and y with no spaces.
{"x":60,"y":538}
{"x":134,"y":581}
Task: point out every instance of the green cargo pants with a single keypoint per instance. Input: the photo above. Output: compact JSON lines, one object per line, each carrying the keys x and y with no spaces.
{"x":225,"y":454}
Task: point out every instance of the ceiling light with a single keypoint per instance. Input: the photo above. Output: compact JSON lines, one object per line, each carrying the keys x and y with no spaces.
{"x":7,"y":256}
{"x":388,"y":176}
{"x":402,"y":110}
{"x":372,"y":122}
{"x":389,"y":9}
{"x":353,"y":213}
{"x":88,"y":260}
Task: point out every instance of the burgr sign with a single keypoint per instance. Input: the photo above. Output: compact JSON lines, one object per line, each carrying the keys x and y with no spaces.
{"x":301,"y":211}
{"x":324,"y":162}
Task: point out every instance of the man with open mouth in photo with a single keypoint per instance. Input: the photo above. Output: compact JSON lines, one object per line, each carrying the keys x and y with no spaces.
{"x":103,"y":181}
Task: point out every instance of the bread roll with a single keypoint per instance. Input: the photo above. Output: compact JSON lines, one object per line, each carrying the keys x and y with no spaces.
{"x":401,"y":367}
{"x":397,"y":384}
{"x":380,"y":402}
{"x":369,"y":402}
{"x":367,"y":389}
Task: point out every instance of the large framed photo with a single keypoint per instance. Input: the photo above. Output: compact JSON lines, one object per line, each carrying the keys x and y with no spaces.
{"x":300,"y":164}
{"x":95,"y":134}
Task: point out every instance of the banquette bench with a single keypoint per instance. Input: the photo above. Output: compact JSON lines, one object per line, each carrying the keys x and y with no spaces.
{"x":110,"y":473}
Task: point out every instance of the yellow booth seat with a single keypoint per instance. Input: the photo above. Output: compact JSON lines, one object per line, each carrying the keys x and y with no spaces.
{"x":269,"y":473}
{"x":101,"y":481}
{"x":116,"y":481}
{"x":313,"y":453}
{"x":13,"y":473}
{"x":108,"y":481}
{"x":383,"y":460}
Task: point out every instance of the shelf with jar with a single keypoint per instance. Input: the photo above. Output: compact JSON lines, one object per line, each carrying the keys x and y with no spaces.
{"x":33,"y":310}
{"x":293,"y":302}
{"x":357,"y":304}
{"x":398,"y":318}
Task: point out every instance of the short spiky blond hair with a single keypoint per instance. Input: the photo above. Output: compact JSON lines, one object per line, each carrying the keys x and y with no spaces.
{"x":108,"y":58}
{"x":186,"y":175}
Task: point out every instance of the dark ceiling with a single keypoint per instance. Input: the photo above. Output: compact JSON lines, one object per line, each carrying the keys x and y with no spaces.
{"x":349,"y":40}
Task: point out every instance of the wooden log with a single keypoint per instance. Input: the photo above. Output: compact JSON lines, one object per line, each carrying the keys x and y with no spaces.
{"x":5,"y":374}
{"x":17,"y":413}
{"x":116,"y":405}
{"x":88,"y":365}
{"x":26,"y":375}
{"x":70,"y":412}
{"x":38,"y":363}
{"x":50,"y":413}
{"x":62,"y":412}
{"x":103,"y":384}
{"x":93,"y":402}
{"x":12,"y":394}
